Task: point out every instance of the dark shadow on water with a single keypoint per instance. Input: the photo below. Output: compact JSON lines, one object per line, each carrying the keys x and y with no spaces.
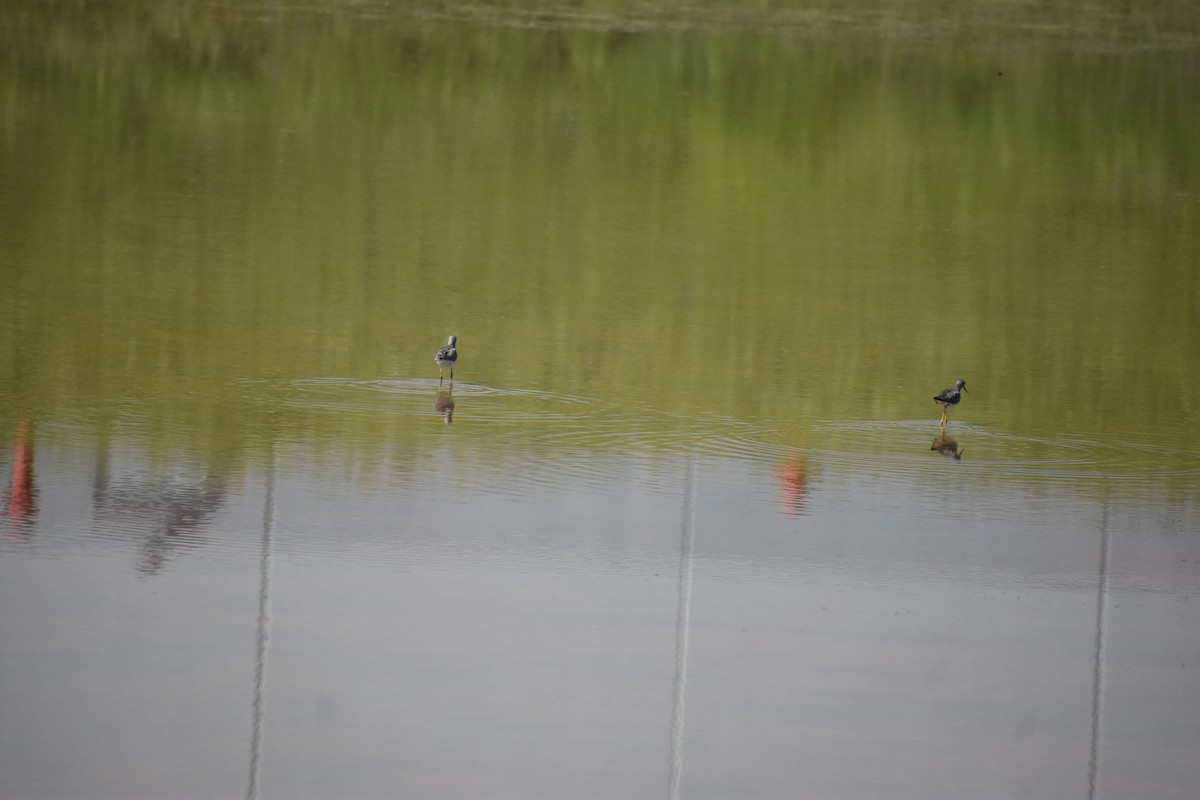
{"x":165,"y":513}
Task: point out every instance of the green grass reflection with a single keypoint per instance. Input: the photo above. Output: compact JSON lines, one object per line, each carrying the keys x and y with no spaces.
{"x":701,"y":209}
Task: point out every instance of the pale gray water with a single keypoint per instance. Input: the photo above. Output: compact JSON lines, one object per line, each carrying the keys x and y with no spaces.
{"x":562,"y":626}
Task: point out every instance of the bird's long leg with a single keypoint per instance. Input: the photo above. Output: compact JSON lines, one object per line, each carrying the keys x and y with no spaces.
{"x":452,"y":379}
{"x":441,"y":377}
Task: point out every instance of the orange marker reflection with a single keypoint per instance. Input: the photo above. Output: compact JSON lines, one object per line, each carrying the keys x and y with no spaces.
{"x":22,"y":494}
{"x":792,"y":477}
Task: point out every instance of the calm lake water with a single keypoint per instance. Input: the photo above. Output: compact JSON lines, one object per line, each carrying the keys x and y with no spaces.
{"x":686,"y":525}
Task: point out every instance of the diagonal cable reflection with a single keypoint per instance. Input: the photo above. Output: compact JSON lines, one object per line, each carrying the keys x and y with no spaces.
{"x":1098,"y":664}
{"x":264,"y":619}
{"x":682,"y":626}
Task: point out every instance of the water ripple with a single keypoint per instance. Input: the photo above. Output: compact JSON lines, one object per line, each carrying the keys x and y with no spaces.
{"x":568,"y":438}
{"x":903,"y":446}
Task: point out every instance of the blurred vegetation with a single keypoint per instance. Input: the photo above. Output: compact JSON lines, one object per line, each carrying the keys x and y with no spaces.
{"x":779,"y":211}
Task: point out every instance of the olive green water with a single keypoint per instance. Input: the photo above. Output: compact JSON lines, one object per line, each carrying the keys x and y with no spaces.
{"x":762,"y":226}
{"x":232,"y":237}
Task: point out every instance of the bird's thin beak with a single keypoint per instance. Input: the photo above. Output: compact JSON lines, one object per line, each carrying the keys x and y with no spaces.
{"x":964,"y":388}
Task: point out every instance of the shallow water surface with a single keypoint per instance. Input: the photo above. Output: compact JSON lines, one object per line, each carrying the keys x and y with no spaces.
{"x":627,"y":603}
{"x":685,"y":524}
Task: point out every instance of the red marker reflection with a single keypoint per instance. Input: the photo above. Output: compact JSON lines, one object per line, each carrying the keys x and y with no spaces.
{"x":792,"y":477}
{"x":22,"y":494}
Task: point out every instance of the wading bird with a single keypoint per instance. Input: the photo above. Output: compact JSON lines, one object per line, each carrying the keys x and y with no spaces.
{"x":447,"y":356}
{"x":950,"y":397}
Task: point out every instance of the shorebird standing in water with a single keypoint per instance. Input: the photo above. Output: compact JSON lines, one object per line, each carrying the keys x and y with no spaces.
{"x":447,"y":356}
{"x":950,"y":397}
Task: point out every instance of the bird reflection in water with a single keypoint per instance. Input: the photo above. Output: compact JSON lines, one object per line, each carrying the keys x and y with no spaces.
{"x":792,"y":477}
{"x":444,"y":403}
{"x":946,"y":446}
{"x":21,"y":505}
